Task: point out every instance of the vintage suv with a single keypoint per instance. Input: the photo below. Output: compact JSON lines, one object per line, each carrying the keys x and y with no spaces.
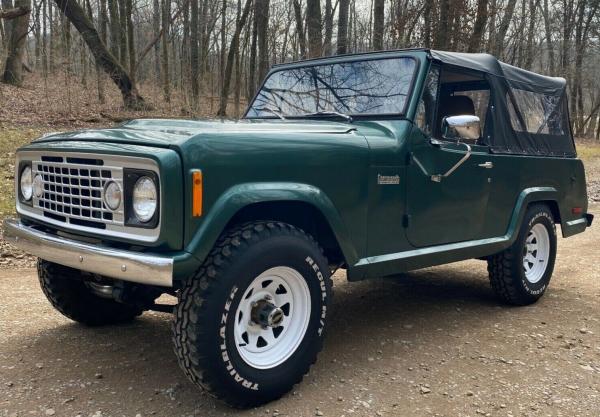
{"x":377,"y":163}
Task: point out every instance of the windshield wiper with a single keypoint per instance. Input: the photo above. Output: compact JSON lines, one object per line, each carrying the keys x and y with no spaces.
{"x":344,"y":116}
{"x":273,"y":111}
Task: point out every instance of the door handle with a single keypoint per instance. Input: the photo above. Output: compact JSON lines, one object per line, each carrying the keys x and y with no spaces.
{"x":487,"y":165}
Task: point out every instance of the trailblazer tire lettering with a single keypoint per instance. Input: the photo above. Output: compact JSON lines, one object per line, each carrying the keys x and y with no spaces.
{"x":224,"y":355}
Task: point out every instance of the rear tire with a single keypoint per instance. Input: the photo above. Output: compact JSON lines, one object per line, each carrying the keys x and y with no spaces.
{"x":521,"y":274}
{"x":66,"y":290}
{"x":224,"y":338}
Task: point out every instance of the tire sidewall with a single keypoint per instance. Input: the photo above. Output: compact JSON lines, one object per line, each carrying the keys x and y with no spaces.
{"x":240,"y":378}
{"x":535,"y":215}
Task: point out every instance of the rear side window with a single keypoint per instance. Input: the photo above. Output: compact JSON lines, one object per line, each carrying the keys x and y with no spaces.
{"x":538,"y":113}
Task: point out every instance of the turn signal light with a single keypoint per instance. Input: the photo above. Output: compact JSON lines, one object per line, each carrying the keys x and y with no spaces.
{"x":197,"y":193}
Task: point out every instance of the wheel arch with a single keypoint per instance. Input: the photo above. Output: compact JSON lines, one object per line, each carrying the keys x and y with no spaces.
{"x":549,"y":196}
{"x":301,"y":205}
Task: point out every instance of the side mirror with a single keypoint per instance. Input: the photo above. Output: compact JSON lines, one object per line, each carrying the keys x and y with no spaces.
{"x":459,"y":128}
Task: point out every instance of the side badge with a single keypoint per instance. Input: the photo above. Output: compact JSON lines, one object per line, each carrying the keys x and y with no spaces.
{"x":388,"y":179}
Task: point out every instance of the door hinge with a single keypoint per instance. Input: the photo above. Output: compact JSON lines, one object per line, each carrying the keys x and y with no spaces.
{"x":406,"y":220}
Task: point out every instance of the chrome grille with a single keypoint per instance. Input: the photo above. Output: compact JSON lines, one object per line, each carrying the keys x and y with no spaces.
{"x":73,"y":190}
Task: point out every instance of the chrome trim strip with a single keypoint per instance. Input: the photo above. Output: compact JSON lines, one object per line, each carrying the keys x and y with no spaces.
{"x":102,"y":260}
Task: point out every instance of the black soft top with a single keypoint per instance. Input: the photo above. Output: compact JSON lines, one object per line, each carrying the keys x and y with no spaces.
{"x":491,"y":65}
{"x":528,"y":112}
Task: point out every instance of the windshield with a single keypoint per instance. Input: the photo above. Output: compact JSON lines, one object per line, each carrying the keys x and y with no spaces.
{"x":373,"y":87}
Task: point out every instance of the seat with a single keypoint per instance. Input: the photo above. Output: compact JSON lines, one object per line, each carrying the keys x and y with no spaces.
{"x":456,"y":106}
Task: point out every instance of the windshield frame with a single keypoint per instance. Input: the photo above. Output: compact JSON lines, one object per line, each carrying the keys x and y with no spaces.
{"x":348,"y":59}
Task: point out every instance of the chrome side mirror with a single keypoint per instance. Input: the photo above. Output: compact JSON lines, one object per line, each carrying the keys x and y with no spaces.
{"x":465,"y":127}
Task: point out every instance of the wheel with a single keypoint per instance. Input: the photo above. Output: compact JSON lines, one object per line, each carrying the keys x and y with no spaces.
{"x":521,"y":274}
{"x":250,"y":322}
{"x":81,"y":300}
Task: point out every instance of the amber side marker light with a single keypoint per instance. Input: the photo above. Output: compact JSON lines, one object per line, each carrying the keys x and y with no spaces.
{"x":576,"y":210}
{"x":196,"y":193}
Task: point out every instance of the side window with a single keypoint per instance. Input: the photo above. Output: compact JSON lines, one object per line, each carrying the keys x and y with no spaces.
{"x":425,"y":117}
{"x":481,"y":101}
{"x":541,"y":113}
{"x":463,"y":92}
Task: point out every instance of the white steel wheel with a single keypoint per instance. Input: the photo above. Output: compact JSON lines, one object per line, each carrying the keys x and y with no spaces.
{"x":536,"y":253}
{"x":272,"y":317}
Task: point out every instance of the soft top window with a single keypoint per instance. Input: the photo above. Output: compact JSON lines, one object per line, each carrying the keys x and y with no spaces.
{"x":371,"y":87}
{"x":541,"y":113}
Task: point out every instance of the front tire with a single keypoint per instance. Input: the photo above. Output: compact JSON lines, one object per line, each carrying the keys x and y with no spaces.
{"x":521,"y":274}
{"x":250,"y":323}
{"x":68,"y":293}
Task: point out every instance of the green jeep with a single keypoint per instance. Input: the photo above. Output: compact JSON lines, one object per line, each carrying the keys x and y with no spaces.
{"x":377,"y":163}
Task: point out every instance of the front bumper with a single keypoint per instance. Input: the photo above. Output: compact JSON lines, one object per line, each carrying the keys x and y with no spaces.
{"x":103,"y":260}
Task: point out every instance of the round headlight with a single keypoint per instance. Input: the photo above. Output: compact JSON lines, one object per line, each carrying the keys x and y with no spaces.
{"x":112,"y":195}
{"x":144,"y":199}
{"x":26,"y":183}
{"x":38,"y":186}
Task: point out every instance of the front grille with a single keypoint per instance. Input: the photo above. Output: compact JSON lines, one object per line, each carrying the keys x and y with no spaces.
{"x":73,"y":191}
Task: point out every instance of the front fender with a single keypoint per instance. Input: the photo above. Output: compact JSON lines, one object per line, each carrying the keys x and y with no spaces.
{"x":242,"y":195}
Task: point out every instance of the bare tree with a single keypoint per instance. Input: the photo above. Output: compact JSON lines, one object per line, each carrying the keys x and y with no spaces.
{"x":131,"y":98}
{"x":313,"y":25}
{"x":13,"y":68}
{"x":378,"y":21}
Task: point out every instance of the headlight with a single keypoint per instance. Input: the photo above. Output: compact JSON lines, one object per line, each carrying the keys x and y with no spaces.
{"x":144,"y":199}
{"x":38,"y":186}
{"x":112,"y":195}
{"x":26,"y":183}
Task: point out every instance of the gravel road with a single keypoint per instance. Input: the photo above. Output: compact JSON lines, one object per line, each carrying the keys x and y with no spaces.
{"x":430,"y":343}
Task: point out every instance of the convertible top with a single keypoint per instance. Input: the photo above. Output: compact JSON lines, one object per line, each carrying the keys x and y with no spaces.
{"x":528,"y":112}
{"x":491,"y":65}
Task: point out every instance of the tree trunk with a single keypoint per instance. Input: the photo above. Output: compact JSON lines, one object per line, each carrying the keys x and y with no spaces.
{"x":378,"y":23}
{"x":328,"y":28}
{"x":503,"y":28}
{"x":479,"y":27}
{"x":194,"y":53}
{"x":156,"y":24}
{"x":549,"y":45}
{"x":102,"y":23}
{"x":115,"y":27}
{"x":313,"y":26}
{"x":235,"y":41}
{"x":166,"y":80}
{"x":251,"y":87}
{"x":441,"y":38}
{"x":118,"y":74}
{"x":342,"y":35}
{"x":123,"y":32}
{"x":13,"y":68}
{"x":300,"y":28}
{"x":130,"y":35}
{"x":262,"y":27}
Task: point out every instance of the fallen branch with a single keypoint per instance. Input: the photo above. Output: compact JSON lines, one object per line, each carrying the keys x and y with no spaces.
{"x":14,"y":13}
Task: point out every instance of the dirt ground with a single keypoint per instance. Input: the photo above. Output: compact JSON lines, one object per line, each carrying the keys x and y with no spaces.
{"x":429,"y":343}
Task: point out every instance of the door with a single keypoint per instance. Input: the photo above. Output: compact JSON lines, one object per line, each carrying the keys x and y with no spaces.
{"x":448,"y":209}
{"x":453,"y":209}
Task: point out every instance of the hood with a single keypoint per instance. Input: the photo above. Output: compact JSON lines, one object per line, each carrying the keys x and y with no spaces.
{"x":167,"y":133}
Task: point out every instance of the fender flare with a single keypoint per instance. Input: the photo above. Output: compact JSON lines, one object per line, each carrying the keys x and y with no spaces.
{"x":525,"y":198}
{"x":243,"y":195}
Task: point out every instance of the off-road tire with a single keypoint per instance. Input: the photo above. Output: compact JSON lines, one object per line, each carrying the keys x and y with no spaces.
{"x":506,"y":270}
{"x":203,"y":327}
{"x":66,"y":290}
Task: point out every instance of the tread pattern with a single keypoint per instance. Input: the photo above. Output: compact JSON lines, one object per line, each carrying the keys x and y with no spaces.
{"x":67,"y":293}
{"x":188,"y":335}
{"x":502,"y":267}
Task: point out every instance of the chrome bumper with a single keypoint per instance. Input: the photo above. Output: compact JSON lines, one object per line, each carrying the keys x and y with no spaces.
{"x":102,"y":260}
